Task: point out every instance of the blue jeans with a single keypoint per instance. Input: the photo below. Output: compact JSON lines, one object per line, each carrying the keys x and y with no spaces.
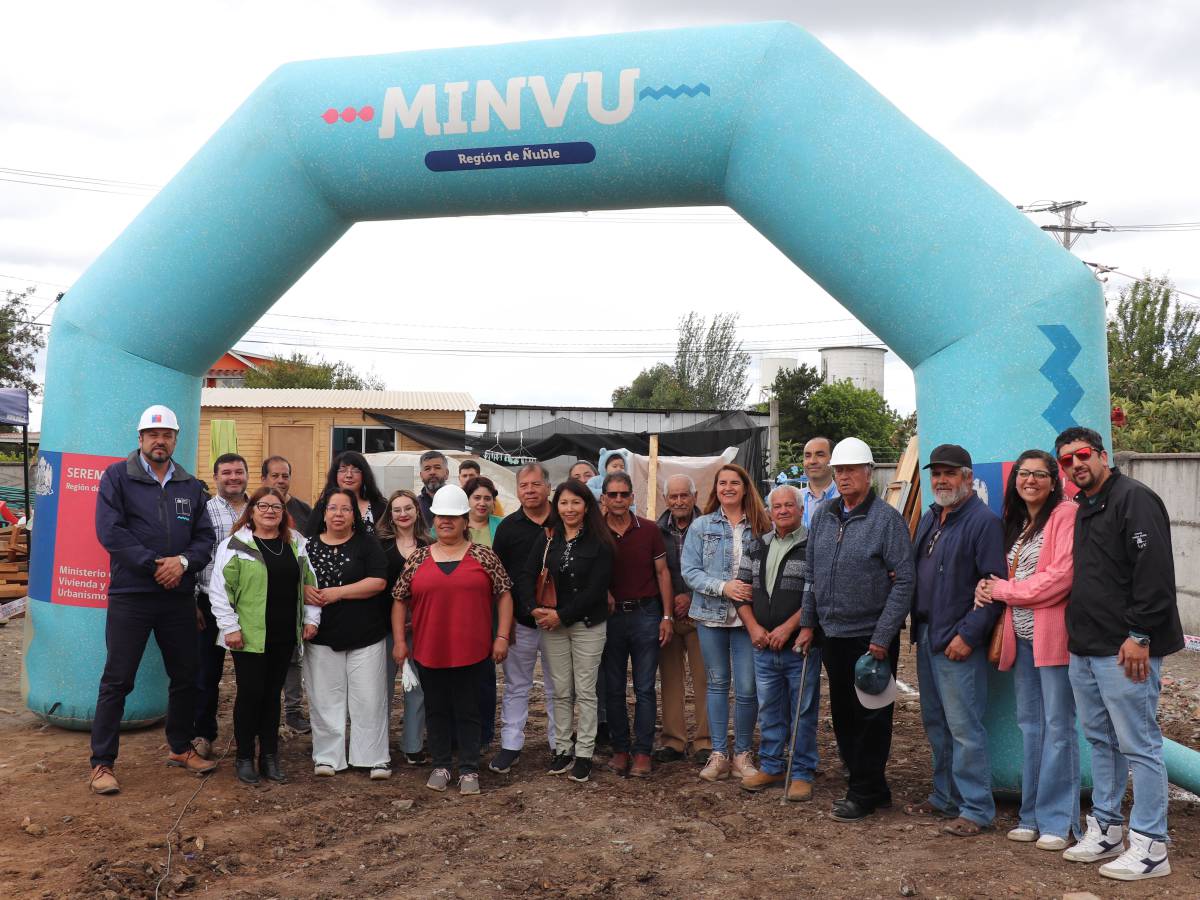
{"x":1050,"y":766}
{"x":632,"y":636}
{"x":953,"y":701}
{"x":1119,"y":719}
{"x":720,"y":646}
{"x":777,"y":678}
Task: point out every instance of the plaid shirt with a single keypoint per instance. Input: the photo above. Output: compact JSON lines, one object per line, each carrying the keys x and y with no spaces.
{"x":223,"y":515}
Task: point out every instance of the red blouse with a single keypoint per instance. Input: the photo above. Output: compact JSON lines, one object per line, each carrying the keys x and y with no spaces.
{"x":452,"y":614}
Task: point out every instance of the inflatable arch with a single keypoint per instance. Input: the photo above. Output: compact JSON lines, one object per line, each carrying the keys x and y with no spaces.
{"x":1003,"y":329}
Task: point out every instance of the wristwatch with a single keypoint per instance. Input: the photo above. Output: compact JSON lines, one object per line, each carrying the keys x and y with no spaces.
{"x":183,"y":561}
{"x":668,"y":618}
{"x":1140,"y":639}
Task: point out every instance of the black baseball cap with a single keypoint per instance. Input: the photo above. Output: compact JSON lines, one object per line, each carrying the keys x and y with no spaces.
{"x":949,"y":455}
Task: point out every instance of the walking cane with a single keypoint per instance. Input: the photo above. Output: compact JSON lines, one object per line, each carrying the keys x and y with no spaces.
{"x":787,"y":780}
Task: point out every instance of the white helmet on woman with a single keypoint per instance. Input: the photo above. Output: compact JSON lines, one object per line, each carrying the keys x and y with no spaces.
{"x":450,"y":500}
{"x":851,"y":452}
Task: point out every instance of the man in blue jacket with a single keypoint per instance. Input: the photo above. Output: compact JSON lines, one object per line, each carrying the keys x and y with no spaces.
{"x":958,"y":542}
{"x":152,"y":520}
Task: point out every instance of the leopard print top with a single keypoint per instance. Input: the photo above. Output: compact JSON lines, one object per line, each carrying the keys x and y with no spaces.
{"x":487,"y":559}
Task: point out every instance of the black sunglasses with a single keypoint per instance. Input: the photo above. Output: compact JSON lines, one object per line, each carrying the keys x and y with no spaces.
{"x":617,"y":495}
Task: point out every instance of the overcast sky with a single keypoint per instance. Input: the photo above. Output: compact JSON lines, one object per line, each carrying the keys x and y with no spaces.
{"x":1094,"y":101}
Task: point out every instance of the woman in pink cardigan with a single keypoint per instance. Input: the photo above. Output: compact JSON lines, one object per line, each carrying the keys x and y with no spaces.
{"x":1039,"y":534}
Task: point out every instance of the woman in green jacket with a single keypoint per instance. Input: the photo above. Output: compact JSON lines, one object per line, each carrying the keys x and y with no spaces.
{"x":257,"y":596}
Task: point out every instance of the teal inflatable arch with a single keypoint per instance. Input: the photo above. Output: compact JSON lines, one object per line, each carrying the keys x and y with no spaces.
{"x":1003,"y":329}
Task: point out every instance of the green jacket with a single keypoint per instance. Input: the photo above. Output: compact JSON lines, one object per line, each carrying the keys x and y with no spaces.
{"x":238,"y":590}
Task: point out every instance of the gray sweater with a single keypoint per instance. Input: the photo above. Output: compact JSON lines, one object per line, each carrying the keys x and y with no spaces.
{"x":849,"y":562}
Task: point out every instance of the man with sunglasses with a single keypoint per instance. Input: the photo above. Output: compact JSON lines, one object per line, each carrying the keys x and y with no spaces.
{"x":959,"y":542}
{"x":1122,"y":619}
{"x":641,"y":620}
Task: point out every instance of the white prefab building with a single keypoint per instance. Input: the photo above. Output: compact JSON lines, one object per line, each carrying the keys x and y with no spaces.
{"x":507,"y":419}
{"x":862,"y":366}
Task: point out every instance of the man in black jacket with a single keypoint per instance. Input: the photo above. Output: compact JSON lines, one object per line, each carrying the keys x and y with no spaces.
{"x":152,"y":519}
{"x":1122,"y":619}
{"x":776,"y":571}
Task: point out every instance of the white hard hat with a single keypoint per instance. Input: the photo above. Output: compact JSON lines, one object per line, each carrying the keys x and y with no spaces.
{"x":450,"y":500}
{"x":851,"y":452}
{"x":158,"y":416}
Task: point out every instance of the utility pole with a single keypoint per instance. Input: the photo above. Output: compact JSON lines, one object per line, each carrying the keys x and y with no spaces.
{"x":1068,"y":231}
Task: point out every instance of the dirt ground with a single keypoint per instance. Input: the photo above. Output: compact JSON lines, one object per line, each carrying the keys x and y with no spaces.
{"x":528,"y":834}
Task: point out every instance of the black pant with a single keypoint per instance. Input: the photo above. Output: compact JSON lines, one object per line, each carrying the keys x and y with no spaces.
{"x":131,"y":619}
{"x":487,"y":703}
{"x":864,"y":736}
{"x":452,"y":711}
{"x":260,"y":678}
{"x":211,"y":664}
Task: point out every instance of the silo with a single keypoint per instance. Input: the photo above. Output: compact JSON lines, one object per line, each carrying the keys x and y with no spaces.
{"x":863,"y":366}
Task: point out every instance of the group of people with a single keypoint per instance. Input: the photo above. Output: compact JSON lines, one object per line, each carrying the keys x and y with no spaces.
{"x":436,"y":587}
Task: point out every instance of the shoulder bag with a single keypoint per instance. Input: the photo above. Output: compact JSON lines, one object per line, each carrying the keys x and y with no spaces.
{"x":545,"y":593}
{"x":997,"y":642}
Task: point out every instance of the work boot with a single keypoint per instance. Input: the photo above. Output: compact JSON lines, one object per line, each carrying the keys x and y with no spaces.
{"x":716,"y":768}
{"x":760,"y":781}
{"x":641,"y":765}
{"x":799,"y":791}
{"x":203,"y":747}
{"x":742,"y":765}
{"x":619,"y":763}
{"x":245,"y":771}
{"x":268,"y":767}
{"x":191,"y":761}
{"x":103,"y":781}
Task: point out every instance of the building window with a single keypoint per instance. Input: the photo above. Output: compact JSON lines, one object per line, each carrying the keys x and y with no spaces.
{"x":363,"y":439}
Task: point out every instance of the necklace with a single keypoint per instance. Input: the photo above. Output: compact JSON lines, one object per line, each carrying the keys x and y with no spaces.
{"x":262,"y":542}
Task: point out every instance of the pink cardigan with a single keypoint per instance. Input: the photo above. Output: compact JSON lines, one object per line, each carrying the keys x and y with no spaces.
{"x":1045,"y":592}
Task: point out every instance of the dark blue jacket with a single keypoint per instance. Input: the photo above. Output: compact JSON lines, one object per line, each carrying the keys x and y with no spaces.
{"x":138,"y":521}
{"x":971,"y":547}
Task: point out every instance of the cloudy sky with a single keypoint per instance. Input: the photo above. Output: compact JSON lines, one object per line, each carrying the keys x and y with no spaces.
{"x":102,"y":103}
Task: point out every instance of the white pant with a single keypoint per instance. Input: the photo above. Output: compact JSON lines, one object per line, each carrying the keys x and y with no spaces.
{"x":518,"y":679}
{"x":341,"y":681}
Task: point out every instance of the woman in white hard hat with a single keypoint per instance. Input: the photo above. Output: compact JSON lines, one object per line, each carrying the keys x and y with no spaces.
{"x":454,"y":588}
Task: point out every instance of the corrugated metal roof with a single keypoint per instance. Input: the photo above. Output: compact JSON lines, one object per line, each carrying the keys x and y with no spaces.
{"x":453,"y":401}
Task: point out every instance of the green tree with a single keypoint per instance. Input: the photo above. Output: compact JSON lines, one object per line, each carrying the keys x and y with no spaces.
{"x":298,"y":371}
{"x":1164,"y":422}
{"x":710,"y":370}
{"x":841,"y":410}
{"x":1153,"y":341}
{"x":19,"y":342}
{"x":793,"y":388}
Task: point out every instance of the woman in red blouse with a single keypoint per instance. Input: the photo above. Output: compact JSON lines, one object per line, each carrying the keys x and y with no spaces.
{"x":453,"y":588}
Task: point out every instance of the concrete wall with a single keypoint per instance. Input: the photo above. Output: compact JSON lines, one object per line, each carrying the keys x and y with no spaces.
{"x":1176,"y":478}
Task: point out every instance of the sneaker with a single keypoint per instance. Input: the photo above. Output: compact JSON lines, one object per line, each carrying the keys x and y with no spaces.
{"x":416,"y":759}
{"x":103,"y":781}
{"x":1051,"y":842}
{"x":668,"y":755}
{"x":1097,"y":843}
{"x":1145,"y":858}
{"x":560,"y":764}
{"x":503,"y":761}
{"x":322,"y":770}
{"x":381,"y":773}
{"x":298,"y":723}
{"x":717,"y":767}
{"x":641,"y":766}
{"x":438,"y":779}
{"x":468,"y":783}
{"x":189,"y":759}
{"x":1024,"y":835}
{"x":203,"y":747}
{"x":582,"y":770}
{"x":742,"y":765}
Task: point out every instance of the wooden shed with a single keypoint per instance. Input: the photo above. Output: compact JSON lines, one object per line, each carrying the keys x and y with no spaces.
{"x":310,"y":426}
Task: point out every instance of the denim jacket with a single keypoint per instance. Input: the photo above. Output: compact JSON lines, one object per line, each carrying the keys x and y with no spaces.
{"x":707,"y":561}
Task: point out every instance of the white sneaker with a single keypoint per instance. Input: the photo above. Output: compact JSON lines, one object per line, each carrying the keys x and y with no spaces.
{"x":1097,"y":844}
{"x":468,"y":784}
{"x":717,"y":767}
{"x":324,"y":771}
{"x":1023,"y":835}
{"x":1145,"y":858}
{"x":381,"y":773}
{"x":438,"y":779}
{"x":1051,"y":842}
{"x":742,"y":765}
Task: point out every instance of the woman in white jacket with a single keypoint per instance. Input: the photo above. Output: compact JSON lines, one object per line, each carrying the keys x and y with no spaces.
{"x":257,"y":595}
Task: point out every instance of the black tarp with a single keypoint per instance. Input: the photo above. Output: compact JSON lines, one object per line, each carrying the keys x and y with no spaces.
{"x":566,"y":437}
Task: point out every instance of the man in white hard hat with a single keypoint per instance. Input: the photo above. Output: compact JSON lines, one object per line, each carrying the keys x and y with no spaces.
{"x":861,"y":573}
{"x":152,"y":519}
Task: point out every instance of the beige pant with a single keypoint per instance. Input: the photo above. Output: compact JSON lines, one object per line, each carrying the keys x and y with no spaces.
{"x":671,"y":674}
{"x":574,"y":655}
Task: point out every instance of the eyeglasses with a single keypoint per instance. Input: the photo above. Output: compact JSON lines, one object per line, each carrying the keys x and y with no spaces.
{"x":268,"y":507}
{"x":1083,"y":454}
{"x":1035,"y":474}
{"x":617,"y":495}
{"x":933,"y":542}
{"x":345,"y":470}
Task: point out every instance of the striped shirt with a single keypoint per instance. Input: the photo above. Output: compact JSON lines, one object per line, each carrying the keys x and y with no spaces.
{"x":1026,"y":565}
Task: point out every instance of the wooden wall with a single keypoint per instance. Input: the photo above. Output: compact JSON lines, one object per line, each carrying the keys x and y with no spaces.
{"x":252,"y":435}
